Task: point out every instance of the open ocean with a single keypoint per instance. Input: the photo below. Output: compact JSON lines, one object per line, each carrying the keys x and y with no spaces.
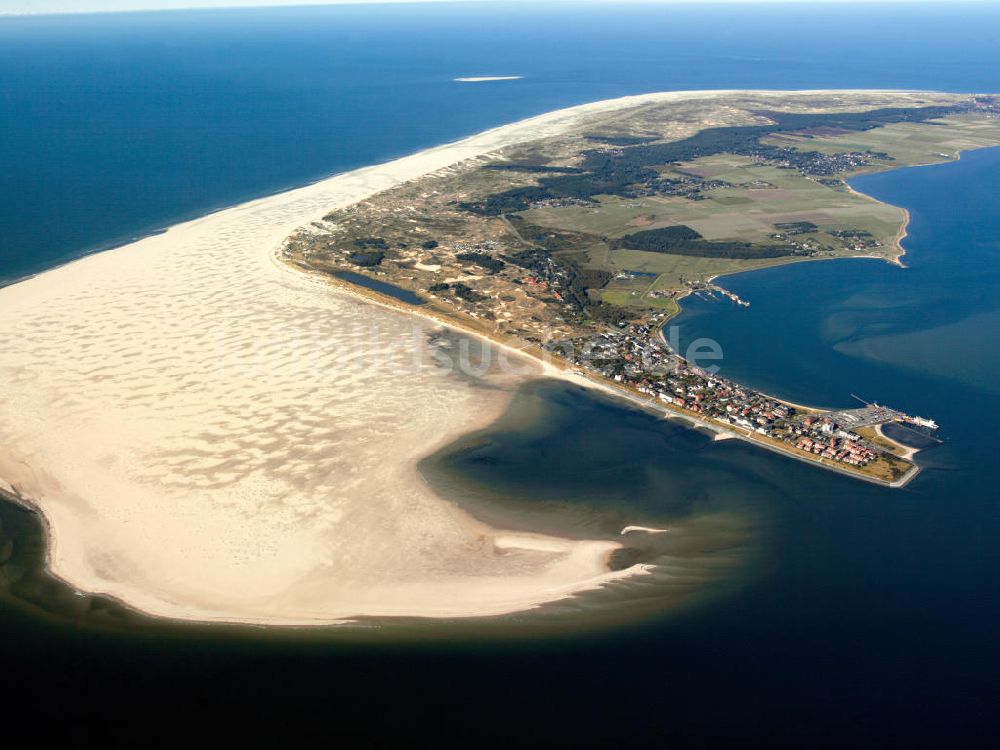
{"x":846,"y":615}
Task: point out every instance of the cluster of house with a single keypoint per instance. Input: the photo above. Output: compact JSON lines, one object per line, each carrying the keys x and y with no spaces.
{"x":712,"y":396}
{"x":827,"y":439}
{"x":857,"y":240}
{"x":563,"y":202}
{"x":818,"y":163}
{"x":544,"y":273}
{"x":986,"y":104}
{"x":634,"y":357}
{"x":692,"y":188}
{"x":628,"y":353}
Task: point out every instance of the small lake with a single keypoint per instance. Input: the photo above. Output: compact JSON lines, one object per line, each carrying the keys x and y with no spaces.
{"x":382,"y":287}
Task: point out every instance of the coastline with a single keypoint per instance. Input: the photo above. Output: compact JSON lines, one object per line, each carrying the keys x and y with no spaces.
{"x":557,"y":369}
{"x":32,"y":445}
{"x":147,"y":308}
{"x":897,"y":242}
{"x":901,"y":234}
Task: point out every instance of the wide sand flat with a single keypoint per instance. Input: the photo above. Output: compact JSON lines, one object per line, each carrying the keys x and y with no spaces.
{"x":211,"y":435}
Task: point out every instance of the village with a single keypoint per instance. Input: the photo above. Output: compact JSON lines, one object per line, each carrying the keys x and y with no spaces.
{"x":636,"y":356}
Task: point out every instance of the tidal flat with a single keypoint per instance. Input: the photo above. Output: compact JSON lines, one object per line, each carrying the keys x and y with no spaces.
{"x":561,"y":461}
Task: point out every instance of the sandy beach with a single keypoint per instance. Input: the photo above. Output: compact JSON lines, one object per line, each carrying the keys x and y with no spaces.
{"x":211,"y":435}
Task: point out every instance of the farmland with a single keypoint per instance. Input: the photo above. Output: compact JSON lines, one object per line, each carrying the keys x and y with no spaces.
{"x":625,"y":216}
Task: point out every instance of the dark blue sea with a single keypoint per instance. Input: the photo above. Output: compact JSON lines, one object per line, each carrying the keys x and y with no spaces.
{"x":847,"y":615}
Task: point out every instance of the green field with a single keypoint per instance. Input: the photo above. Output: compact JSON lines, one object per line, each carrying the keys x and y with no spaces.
{"x":742,"y":212}
{"x":760,"y":196}
{"x":909,"y":143}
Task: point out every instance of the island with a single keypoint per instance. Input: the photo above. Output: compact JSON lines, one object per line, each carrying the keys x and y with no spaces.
{"x":579,"y":249}
{"x":225,"y":421}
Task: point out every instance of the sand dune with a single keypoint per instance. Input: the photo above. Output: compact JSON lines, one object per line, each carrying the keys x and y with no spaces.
{"x":211,"y":435}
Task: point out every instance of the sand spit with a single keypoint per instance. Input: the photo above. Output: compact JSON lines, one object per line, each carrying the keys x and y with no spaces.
{"x":644,"y":529}
{"x":213,"y":436}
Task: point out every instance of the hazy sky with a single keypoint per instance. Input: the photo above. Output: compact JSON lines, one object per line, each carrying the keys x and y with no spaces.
{"x":83,"y":6}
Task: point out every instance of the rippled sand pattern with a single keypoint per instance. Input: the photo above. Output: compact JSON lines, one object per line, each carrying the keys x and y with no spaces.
{"x":212,"y":435}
